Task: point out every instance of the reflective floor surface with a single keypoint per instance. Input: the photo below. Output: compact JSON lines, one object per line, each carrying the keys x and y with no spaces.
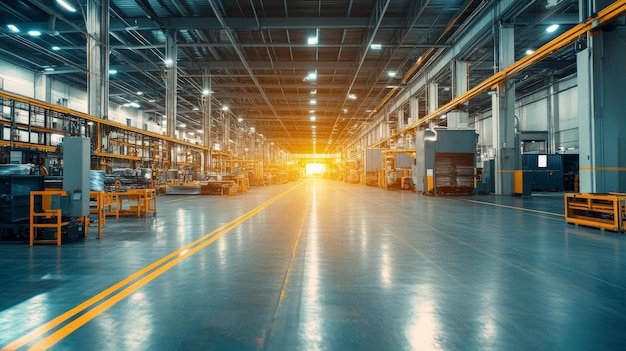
{"x":323,"y":265}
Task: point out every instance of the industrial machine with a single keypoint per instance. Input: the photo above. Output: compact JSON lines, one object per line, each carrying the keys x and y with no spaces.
{"x":545,"y":170}
{"x":373,"y":163}
{"x":445,"y":161}
{"x":29,"y":209}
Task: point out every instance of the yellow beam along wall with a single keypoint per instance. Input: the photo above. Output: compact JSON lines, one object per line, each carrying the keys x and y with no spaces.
{"x":98,"y":121}
{"x":607,"y":15}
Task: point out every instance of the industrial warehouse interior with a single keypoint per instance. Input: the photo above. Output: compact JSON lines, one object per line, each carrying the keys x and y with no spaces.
{"x":312,"y":175}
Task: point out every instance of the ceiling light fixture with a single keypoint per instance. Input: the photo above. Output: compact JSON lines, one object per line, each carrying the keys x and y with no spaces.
{"x":376,"y":46}
{"x":205,"y":92}
{"x":313,"y":102}
{"x":313,"y":91}
{"x":391,"y":74}
{"x":314,"y":39}
{"x":552,"y":28}
{"x":13,"y":28}
{"x":34,"y":33}
{"x":352,"y":96}
{"x":56,"y":48}
{"x":311,"y":76}
{"x":224,"y":108}
{"x":196,"y":109}
{"x":313,"y":118}
{"x":168,"y":62}
{"x":530,"y":52}
{"x":112,"y":71}
{"x":48,"y":69}
{"x":140,"y":93}
{"x":66,"y":5}
{"x":134,"y":104}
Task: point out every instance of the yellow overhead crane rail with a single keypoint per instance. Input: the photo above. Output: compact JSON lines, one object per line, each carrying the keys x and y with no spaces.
{"x":607,"y":15}
{"x":96,"y":120}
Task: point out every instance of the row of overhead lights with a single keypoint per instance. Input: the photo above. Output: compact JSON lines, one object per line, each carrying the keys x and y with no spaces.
{"x":35,"y":33}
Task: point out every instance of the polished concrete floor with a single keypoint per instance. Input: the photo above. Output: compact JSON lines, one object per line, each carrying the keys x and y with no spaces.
{"x":323,"y":265}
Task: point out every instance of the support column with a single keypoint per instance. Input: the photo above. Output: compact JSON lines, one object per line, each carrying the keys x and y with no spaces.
{"x":459,"y":119}
{"x":98,"y":57}
{"x":207,"y":120}
{"x":602,"y":133}
{"x":503,"y":109}
{"x":43,"y":87}
{"x":171,"y":76}
{"x":414,"y":105}
{"x":553,"y":115}
{"x":400,"y":122}
{"x":433,"y":101}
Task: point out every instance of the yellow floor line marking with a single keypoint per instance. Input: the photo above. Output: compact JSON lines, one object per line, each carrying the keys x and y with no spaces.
{"x":514,"y":207}
{"x":182,"y":252}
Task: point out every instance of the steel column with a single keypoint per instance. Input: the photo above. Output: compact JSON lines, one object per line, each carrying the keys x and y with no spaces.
{"x":503,"y":109}
{"x":98,"y":57}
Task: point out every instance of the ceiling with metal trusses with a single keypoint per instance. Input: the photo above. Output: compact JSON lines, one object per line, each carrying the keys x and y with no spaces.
{"x":259,"y":60}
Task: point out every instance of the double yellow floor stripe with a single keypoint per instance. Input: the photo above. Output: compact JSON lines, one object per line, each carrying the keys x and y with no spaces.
{"x":138,"y":279}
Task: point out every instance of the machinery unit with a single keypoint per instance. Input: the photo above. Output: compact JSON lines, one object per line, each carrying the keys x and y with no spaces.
{"x":545,"y":170}
{"x":445,"y":161}
{"x":373,"y":164}
{"x":15,"y":204}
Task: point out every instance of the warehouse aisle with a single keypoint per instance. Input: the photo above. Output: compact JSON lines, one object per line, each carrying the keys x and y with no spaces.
{"x":322,"y":265}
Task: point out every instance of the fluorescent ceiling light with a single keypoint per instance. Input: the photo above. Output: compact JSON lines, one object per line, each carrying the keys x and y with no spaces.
{"x":66,"y":5}
{"x":376,"y":46}
{"x":352,"y":96}
{"x":530,"y":52}
{"x":140,"y":93}
{"x":112,"y":71}
{"x":56,"y":48}
{"x":312,"y":76}
{"x":205,"y":92}
{"x":552,"y":28}
{"x":196,"y":109}
{"x":391,"y":74}
{"x":239,"y":119}
{"x":313,"y":102}
{"x":48,"y":69}
{"x":313,"y":91}
{"x":13,"y":28}
{"x":312,"y":40}
{"x":34,"y":33}
{"x":224,"y":108}
{"x":311,"y":111}
{"x":168,"y":62}
{"x":313,"y":118}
